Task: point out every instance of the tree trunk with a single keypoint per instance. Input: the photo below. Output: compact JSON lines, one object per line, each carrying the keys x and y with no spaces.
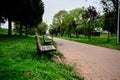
{"x":119,"y":22}
{"x":21,"y":26}
{"x":89,"y":31}
{"x":76,"y":33}
{"x":62,"y":33}
{"x":119,"y":33}
{"x":9,"y":27}
{"x":31,"y":31}
{"x":69,"y":34}
{"x":89,"y":36}
{"x":108,"y":37}
{"x":26,"y":31}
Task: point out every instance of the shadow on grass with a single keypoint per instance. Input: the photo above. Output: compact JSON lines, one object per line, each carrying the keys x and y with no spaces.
{"x":11,"y":74}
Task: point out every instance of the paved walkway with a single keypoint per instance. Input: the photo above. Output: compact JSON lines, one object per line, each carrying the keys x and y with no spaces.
{"x":92,"y":62}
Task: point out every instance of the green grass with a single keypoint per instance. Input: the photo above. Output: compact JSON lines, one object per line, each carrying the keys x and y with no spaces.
{"x":99,"y":41}
{"x":19,"y":61}
{"x":3,"y":31}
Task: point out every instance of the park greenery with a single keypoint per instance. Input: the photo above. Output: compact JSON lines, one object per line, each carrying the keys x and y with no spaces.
{"x":88,"y":25}
{"x":18,"y":55}
{"x":86,"y":21}
{"x":96,"y":40}
{"x":110,"y":8}
{"x":19,"y":61}
{"x":75,"y":22}
{"x":27,"y":13}
{"x":39,"y":29}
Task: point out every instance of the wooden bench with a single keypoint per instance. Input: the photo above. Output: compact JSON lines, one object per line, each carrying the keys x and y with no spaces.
{"x":46,"y":48}
{"x":47,"y":41}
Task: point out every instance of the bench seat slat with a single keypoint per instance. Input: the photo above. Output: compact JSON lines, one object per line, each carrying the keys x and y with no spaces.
{"x":48,"y":48}
{"x":47,"y":41}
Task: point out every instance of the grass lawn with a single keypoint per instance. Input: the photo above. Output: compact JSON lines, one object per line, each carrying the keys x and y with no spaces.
{"x":99,"y":41}
{"x":19,"y":61}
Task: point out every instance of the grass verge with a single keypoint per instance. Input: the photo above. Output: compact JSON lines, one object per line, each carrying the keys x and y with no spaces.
{"x":99,"y":41}
{"x":19,"y":61}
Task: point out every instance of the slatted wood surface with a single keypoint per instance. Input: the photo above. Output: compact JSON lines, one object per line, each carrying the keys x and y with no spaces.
{"x":47,"y":40}
{"x":46,"y":48}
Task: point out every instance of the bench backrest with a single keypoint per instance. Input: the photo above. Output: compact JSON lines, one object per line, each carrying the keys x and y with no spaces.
{"x":38,"y":42}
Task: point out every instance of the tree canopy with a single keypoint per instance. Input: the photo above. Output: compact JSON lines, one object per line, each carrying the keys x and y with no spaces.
{"x":27,"y":12}
{"x":75,"y":22}
{"x":65,"y":23}
{"x":110,"y":9}
{"x":42,"y":28}
{"x":58,"y":21}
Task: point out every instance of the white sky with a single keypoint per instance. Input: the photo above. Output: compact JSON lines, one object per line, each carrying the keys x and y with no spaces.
{"x":53,"y":6}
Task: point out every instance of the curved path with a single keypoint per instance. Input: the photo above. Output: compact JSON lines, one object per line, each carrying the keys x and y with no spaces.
{"x":92,"y":62}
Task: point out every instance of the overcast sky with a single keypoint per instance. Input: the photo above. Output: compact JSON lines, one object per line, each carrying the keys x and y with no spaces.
{"x":53,"y":6}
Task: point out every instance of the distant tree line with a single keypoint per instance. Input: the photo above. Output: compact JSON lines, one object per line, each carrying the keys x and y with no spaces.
{"x":85,"y":21}
{"x":27,"y":13}
{"x":75,"y":22}
{"x":40,"y":29}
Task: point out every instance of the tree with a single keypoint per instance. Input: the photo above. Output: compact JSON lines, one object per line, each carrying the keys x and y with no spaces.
{"x":42,"y":28}
{"x":101,"y":20}
{"x":76,"y":15}
{"x":90,"y":17}
{"x":32,"y":12}
{"x":81,"y":29}
{"x":27,"y":12}
{"x":110,"y":9}
{"x":65,"y":23}
{"x":8,"y":12}
{"x":2,"y":19}
{"x":68,"y":24}
{"x":53,"y":30}
{"x":58,"y":21}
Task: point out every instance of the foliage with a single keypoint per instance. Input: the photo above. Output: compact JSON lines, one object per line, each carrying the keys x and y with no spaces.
{"x":90,"y":18}
{"x":27,"y":12}
{"x":2,"y":20}
{"x":109,"y":5}
{"x":53,"y":30}
{"x":75,"y":22}
{"x":101,"y":20}
{"x":42,"y":28}
{"x":25,"y":29}
{"x":65,"y":23}
{"x":69,"y":21}
{"x":110,"y":23}
{"x":75,"y":18}
{"x":58,"y":21}
{"x":110,"y":9}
